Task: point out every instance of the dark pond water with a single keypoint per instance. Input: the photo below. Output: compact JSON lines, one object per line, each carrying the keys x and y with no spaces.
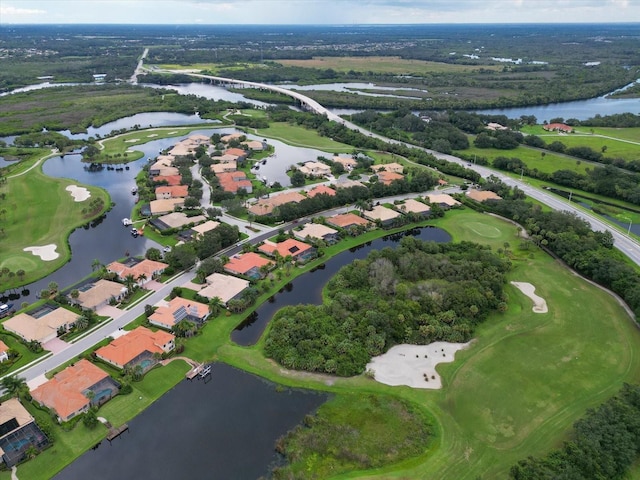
{"x":307,"y":288}
{"x":224,"y":429}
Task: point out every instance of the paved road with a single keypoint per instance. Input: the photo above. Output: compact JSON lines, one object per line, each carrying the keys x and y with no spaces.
{"x":103,"y":332}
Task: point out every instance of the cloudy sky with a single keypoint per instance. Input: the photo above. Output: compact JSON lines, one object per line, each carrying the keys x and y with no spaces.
{"x":317,"y":11}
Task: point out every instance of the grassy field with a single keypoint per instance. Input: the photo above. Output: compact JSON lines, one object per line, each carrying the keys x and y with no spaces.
{"x":393,"y":65}
{"x":548,"y":163}
{"x":302,"y":137}
{"x":39,"y":211}
{"x":69,"y":445}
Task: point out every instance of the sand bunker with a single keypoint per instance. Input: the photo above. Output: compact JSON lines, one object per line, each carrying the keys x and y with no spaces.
{"x":132,"y":140}
{"x":46,"y":252}
{"x":152,"y":135}
{"x":539,"y":303}
{"x":171,"y":133}
{"x":414,"y":365}
{"x":79,"y":194}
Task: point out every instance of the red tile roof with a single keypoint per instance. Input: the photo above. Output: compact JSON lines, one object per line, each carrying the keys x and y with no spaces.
{"x":127,"y":347}
{"x":321,"y":190}
{"x":175,"y":191}
{"x":64,"y":393}
{"x":346,"y":220}
{"x":290,"y":246}
{"x":238,"y":152}
{"x":245,"y":262}
{"x":170,"y":179}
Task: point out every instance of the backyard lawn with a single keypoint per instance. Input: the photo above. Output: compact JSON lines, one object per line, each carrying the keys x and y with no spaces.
{"x":302,"y":137}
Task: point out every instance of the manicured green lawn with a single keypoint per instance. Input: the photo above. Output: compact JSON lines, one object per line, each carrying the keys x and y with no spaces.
{"x":302,"y":137}
{"x":38,"y":211}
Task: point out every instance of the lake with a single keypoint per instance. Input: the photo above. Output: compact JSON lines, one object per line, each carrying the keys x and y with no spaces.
{"x":223,"y":429}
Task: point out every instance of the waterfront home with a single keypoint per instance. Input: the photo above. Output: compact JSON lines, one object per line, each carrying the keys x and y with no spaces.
{"x":321,"y":190}
{"x":388,"y":167}
{"x":175,"y":220}
{"x":225,"y":287}
{"x":160,"y":164}
{"x":442,"y":199}
{"x":75,"y":389}
{"x":159,"y":207}
{"x":384,"y":215}
{"x":414,"y":206}
{"x":348,"y":183}
{"x":165,"y":192}
{"x":297,"y":250}
{"x":170,"y":180}
{"x":558,"y":127}
{"x":387,"y":178}
{"x":348,"y":221}
{"x":248,"y":265}
{"x":18,"y":432}
{"x":266,"y":206}
{"x":4,"y":352}
{"x":142,"y":271}
{"x":137,"y":347}
{"x":347,"y":162}
{"x":41,"y":328}
{"x":255,"y":145}
{"x":231,"y":136}
{"x":240,"y":154}
{"x":178,"y":309}
{"x":315,"y":169}
{"x":483,"y":195}
{"x":316,"y":231}
{"x":100,"y":294}
{"x":226,"y":158}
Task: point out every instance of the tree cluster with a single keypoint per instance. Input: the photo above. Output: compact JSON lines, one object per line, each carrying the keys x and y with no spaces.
{"x":419,"y":293}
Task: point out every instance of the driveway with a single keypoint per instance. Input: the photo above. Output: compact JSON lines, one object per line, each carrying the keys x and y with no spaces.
{"x":55,"y":345}
{"x":109,"y":311}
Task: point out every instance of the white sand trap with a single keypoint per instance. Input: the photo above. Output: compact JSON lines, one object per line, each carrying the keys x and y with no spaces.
{"x":411,"y":365}
{"x":46,"y":252}
{"x":79,"y":194}
{"x":132,"y":140}
{"x":152,"y":135}
{"x":539,"y":303}
{"x":171,"y":133}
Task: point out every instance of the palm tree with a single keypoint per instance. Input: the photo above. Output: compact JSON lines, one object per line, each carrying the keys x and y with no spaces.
{"x":215,"y":305}
{"x":141,"y":278}
{"x":82,"y":322}
{"x":129,"y":282}
{"x":96,"y":264}
{"x":15,"y":386}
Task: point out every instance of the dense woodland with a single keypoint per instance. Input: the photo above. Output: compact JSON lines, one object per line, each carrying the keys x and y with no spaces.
{"x":603,"y":444}
{"x":418,"y":293}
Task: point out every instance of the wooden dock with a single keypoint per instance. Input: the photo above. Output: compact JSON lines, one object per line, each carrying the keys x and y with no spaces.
{"x":116,"y":432}
{"x":191,"y":374}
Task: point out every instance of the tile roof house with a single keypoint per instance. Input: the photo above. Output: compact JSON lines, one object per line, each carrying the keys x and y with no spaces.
{"x":149,"y":269}
{"x":176,"y":191}
{"x":171,"y":180}
{"x":442,"y":199}
{"x":298,"y":250}
{"x":347,"y":162}
{"x":43,"y":328}
{"x":178,"y":308}
{"x":385,"y":215}
{"x":18,"y":432}
{"x":317,"y":231}
{"x":239,"y":153}
{"x":387,"y":178}
{"x":225,"y":287}
{"x":414,"y":206}
{"x":4,"y":352}
{"x":218,"y":168}
{"x":161,"y":163}
{"x":66,"y":393}
{"x":348,"y":220}
{"x":247,"y":264}
{"x":266,"y":206}
{"x":321,"y":190}
{"x":388,"y":167}
{"x":233,"y":181}
{"x":255,"y":145}
{"x":348,"y":183}
{"x":315,"y":169}
{"x":483,"y":195}
{"x":159,"y":207}
{"x":137,"y":348}
{"x":100,"y":294}
{"x":200,"y":230}
{"x":558,"y":127}
{"x":180,"y":219}
{"x":231,"y":136}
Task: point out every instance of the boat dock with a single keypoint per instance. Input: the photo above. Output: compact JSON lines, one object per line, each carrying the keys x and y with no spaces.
{"x":199,"y":371}
{"x":116,"y":432}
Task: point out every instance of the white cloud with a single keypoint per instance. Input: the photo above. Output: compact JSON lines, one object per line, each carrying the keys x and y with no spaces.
{"x":11,"y":11}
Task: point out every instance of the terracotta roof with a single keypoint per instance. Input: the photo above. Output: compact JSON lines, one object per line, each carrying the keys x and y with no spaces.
{"x":388,"y":177}
{"x":321,"y":190}
{"x":65,"y":392}
{"x":346,"y":220}
{"x":241,"y":264}
{"x":558,"y":126}
{"x":146,"y":267}
{"x":238,"y":152}
{"x":3,"y":348}
{"x":174,"y":191}
{"x":127,"y":347}
{"x":177,"y":309}
{"x":218,"y":168}
{"x":170,"y":179}
{"x":289,"y":247}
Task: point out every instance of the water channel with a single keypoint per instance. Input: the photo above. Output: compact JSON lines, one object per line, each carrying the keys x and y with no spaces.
{"x":223,"y":429}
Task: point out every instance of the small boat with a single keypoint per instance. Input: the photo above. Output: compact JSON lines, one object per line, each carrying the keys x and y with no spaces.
{"x":264,"y":162}
{"x":134,"y":190}
{"x":126,"y":222}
